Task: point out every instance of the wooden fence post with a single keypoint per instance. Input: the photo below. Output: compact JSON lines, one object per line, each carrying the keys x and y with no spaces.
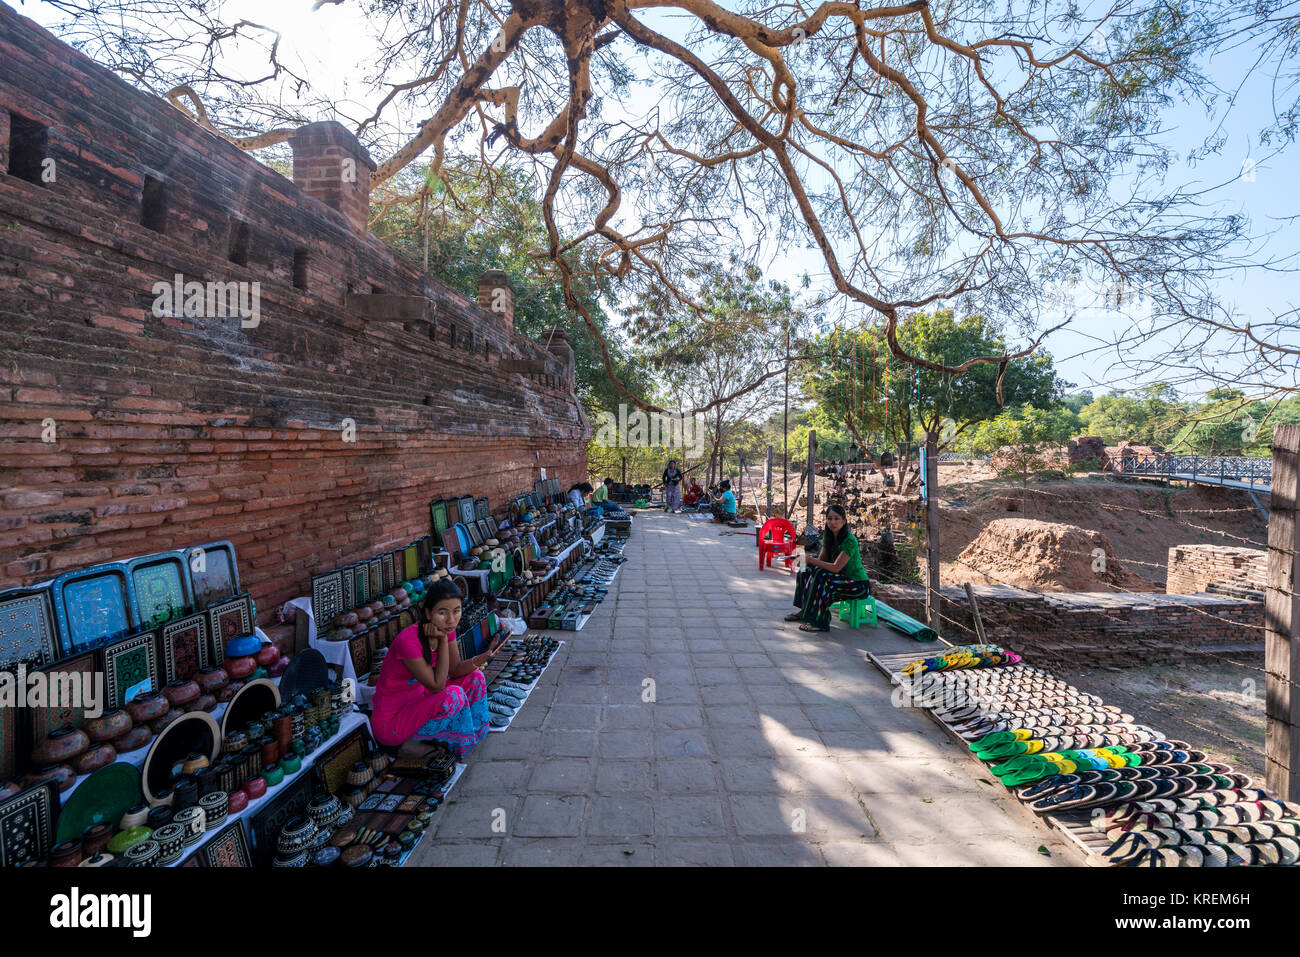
{"x":1282,"y":620}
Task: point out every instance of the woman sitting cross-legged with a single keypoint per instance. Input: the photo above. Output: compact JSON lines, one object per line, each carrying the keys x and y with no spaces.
{"x":837,"y":575}
{"x":424,"y":681}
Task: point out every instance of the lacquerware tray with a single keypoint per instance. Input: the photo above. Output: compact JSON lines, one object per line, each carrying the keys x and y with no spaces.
{"x":162,"y":587}
{"x":214,"y":574}
{"x":93,"y":606}
{"x":28,"y":633}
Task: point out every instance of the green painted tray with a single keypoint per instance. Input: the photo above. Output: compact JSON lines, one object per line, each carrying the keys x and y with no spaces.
{"x":103,"y":797}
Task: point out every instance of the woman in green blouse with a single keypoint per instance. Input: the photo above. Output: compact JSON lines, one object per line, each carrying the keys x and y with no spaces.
{"x":837,"y":575}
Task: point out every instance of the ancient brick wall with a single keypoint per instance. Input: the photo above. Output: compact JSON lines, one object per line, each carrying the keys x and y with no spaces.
{"x":122,"y":433}
{"x":1090,"y":629}
{"x":1197,"y":568}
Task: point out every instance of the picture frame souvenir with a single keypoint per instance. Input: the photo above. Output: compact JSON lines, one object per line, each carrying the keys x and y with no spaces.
{"x":493,"y":528}
{"x":375,"y":569}
{"x":483,"y":531}
{"x":226,"y":620}
{"x":424,"y":553}
{"x":349,"y":587}
{"x":398,"y":558}
{"x":410,"y":562}
{"x":28,"y":632}
{"x":439,"y":515}
{"x":360,"y":584}
{"x":130,"y":667}
{"x":481,"y":509}
{"x":332,"y":767}
{"x":228,"y":849}
{"x":214,"y":574}
{"x":465,"y":509}
{"x":326,"y":598}
{"x":471,"y":529}
{"x":12,"y":735}
{"x":93,"y":606}
{"x":183,"y":646}
{"x":359,"y":651}
{"x":451,"y":543}
{"x":162,"y":588}
{"x":27,"y":825}
{"x":41,"y":720}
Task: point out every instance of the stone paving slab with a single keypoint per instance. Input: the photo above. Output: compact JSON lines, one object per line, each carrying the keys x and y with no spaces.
{"x":687,"y":725}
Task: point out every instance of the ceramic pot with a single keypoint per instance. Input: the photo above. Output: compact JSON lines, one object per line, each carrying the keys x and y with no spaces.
{"x":400,"y":595}
{"x":133,"y":740}
{"x":109,"y":725}
{"x":171,"y":843}
{"x":297,"y":835}
{"x":144,"y":854}
{"x":95,"y":758}
{"x":61,"y":775}
{"x":204,"y":702}
{"x":345,"y":620}
{"x":159,"y":816}
{"x":194,"y":762}
{"x":66,"y":854}
{"x":62,"y":744}
{"x":181,"y":693}
{"x":215,"y":803}
{"x":236,"y":801}
{"x":157,"y":725}
{"x":128,"y":839}
{"x":267,"y":656}
{"x":291,"y":764}
{"x":163,"y":797}
{"x":240,"y":668}
{"x":212,"y":680}
{"x":192,"y":819}
{"x":354,"y":797}
{"x":185,"y":794}
{"x":135,"y":816}
{"x":95,"y":838}
{"x":282,"y":732}
{"x":9,"y":789}
{"x":98,"y":860}
{"x":294,"y":860}
{"x":376,"y":607}
{"x":364,"y":613}
{"x":147,"y":707}
{"x":325,"y":857}
{"x":255,"y":731}
{"x":255,"y":787}
{"x":323,"y":809}
{"x":229,"y":691}
{"x":279,"y":667}
{"x":209,"y":781}
{"x":272,"y":774}
{"x":358,"y":855}
{"x":243,"y":646}
{"x":235,"y":741}
{"x":270,"y":751}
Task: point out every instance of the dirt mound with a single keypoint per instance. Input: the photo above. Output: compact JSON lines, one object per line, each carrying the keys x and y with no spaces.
{"x":1047,"y":556}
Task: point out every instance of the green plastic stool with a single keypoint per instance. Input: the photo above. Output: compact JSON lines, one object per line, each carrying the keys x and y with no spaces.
{"x":858,"y":612}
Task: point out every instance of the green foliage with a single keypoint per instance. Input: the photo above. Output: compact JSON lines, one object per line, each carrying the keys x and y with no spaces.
{"x":860,"y":385}
{"x":1227,"y":423}
{"x":1152,"y":415}
{"x":1028,"y":439}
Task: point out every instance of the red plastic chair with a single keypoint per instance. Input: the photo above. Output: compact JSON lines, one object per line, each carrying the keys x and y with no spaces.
{"x":776,"y":537}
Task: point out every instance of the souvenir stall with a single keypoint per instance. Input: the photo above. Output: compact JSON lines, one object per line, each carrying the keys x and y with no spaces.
{"x":189,"y":751}
{"x":1122,"y":792}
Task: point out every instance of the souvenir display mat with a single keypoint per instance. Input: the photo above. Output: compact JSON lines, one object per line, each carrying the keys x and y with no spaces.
{"x":184,"y":647}
{"x":161,"y":588}
{"x":130,"y":667}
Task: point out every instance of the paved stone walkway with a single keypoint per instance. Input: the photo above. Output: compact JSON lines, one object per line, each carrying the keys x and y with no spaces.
{"x":687,"y":724}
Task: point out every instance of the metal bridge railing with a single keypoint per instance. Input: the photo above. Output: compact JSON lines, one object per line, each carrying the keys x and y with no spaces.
{"x":1249,"y":469}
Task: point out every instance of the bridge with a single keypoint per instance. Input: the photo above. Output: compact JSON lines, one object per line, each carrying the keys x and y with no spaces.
{"x":1247,"y":473}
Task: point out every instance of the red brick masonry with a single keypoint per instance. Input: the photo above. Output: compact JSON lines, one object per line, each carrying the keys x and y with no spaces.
{"x":169,"y":432}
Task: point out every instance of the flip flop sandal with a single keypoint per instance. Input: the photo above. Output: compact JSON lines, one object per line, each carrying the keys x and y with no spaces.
{"x":1289,"y":849}
{"x":1131,"y":846}
{"x":1216,"y":855}
{"x":1047,"y":786}
{"x":1064,"y":799}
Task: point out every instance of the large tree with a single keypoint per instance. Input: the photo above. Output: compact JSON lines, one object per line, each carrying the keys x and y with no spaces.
{"x":967,"y":154}
{"x":891,"y":406}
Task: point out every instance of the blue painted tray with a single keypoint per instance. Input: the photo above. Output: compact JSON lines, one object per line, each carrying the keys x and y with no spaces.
{"x":94,"y":606}
{"x":162,"y":587}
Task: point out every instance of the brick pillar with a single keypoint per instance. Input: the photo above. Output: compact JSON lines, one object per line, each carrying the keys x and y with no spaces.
{"x":560,"y":348}
{"x":330,"y":164}
{"x":497,"y":296}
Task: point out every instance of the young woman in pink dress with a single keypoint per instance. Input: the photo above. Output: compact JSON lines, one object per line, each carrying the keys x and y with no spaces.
{"x":424,"y":682}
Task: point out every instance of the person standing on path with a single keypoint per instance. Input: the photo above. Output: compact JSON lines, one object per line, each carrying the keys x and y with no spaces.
{"x":672,"y":486}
